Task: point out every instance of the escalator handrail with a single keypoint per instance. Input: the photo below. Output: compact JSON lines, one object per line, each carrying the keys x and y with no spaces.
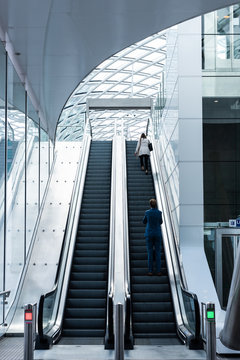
{"x":128,"y":299}
{"x":178,"y":273}
{"x":67,"y":246}
{"x":109,"y":337}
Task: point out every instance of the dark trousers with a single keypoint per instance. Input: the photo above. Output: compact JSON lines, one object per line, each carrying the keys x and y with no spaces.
{"x":154,"y":242}
{"x":145,"y":161}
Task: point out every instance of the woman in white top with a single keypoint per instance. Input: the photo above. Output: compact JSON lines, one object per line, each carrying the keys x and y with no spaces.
{"x":143,"y":152}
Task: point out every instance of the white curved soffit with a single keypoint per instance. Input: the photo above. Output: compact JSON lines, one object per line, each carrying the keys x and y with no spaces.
{"x":59,"y":42}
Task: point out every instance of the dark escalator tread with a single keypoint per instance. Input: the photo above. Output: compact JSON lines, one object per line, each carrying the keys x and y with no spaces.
{"x":158,"y":297}
{"x":156,"y":328}
{"x":152,"y":308}
{"x":89,"y":276}
{"x":89,"y":268}
{"x":94,"y":333}
{"x":85,"y":303}
{"x":87,"y":284}
{"x":84,"y":323}
{"x":79,"y":313}
{"x":85,"y":309}
{"x":153,"y":317}
{"x":87,"y":293}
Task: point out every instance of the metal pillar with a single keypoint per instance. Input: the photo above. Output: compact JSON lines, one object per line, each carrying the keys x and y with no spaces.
{"x":29,"y":330}
{"x":119,"y":332}
{"x":210,"y":322}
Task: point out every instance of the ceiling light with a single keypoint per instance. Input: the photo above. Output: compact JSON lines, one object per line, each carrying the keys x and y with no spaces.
{"x":216,"y":101}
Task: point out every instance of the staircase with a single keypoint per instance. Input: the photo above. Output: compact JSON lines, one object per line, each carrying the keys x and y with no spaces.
{"x":152,"y":309}
{"x":85,"y":309}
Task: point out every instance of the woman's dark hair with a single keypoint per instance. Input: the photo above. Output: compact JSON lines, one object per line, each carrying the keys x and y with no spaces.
{"x":143,"y":136}
{"x":153,"y":203}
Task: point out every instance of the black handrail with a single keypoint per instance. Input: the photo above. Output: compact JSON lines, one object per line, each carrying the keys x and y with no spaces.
{"x":128,"y":336}
{"x":109,"y":336}
{"x":196,"y":342}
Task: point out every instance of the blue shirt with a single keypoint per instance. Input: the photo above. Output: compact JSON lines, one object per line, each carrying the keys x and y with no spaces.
{"x":153,"y":219}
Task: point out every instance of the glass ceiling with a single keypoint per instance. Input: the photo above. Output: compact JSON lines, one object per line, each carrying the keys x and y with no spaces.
{"x":133,"y":72}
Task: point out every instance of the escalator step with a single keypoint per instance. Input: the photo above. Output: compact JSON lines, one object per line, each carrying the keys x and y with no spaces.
{"x":86,"y":333}
{"x":87,"y":293}
{"x":87,"y":284}
{"x":85,"y":303}
{"x":85,"y":309}
{"x":77,"y":313}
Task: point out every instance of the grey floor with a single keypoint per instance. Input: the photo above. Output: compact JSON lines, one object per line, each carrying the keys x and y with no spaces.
{"x":12,"y":349}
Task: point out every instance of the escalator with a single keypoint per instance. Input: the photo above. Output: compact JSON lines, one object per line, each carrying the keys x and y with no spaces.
{"x":85,"y":308}
{"x":152,"y":307}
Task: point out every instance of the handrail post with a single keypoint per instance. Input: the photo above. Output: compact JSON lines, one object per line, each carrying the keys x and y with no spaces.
{"x":30,"y":311}
{"x":119,"y":332}
{"x":210,"y":325}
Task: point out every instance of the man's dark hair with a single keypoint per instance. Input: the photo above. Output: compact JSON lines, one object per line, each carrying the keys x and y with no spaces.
{"x":153,"y":203}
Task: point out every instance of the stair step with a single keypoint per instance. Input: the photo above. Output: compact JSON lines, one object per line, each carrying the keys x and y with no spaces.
{"x":78,"y":313}
{"x":87,"y":284}
{"x":75,"y":333}
{"x":84,"y":323}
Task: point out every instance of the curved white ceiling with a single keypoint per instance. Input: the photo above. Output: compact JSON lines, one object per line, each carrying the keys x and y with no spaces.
{"x":61,"y":41}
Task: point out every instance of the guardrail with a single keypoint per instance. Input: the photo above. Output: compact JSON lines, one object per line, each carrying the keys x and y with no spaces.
{"x":4,"y":295}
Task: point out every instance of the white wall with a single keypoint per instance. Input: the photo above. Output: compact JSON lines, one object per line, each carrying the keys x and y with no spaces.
{"x":182,"y":154}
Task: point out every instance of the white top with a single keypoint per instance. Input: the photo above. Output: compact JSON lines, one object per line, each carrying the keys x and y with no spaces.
{"x":142,"y":147}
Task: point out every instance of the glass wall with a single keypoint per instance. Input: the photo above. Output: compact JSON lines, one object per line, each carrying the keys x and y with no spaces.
{"x":44,"y":164}
{"x":24,"y":172}
{"x":32,"y":171}
{"x":221,"y":42}
{"x":166,"y":124}
{"x":15,"y":197}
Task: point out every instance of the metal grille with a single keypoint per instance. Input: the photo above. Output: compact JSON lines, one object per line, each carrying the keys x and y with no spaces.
{"x":12,"y":348}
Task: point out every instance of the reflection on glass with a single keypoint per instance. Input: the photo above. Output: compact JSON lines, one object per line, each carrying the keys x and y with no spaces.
{"x":221,"y":39}
{"x":223,"y":47}
{"x":44,"y":162}
{"x":223,"y":20}
{"x":49,"y":302}
{"x":236,"y":46}
{"x":228,"y":257}
{"x":190,"y":312}
{"x":32,"y":173}
{"x":15,"y":180}
{"x":51,"y":153}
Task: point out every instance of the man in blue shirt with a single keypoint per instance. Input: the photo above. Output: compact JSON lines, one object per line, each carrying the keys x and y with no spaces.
{"x":153,"y":234}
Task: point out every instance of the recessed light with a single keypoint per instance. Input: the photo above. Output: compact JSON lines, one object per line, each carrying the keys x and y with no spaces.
{"x":216,"y":101}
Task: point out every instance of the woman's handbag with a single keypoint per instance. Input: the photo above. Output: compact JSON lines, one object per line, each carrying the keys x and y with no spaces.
{"x":150,"y":146}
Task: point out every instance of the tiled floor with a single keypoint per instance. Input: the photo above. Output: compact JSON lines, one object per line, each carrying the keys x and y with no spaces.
{"x":12,"y":349}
